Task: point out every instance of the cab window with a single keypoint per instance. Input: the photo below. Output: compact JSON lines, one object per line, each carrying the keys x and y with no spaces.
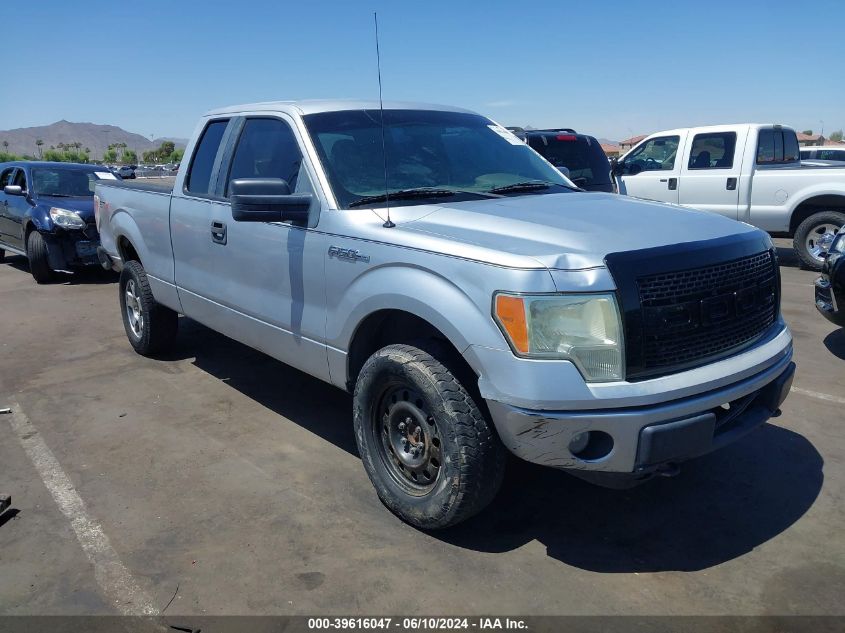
{"x":267,"y":148}
{"x":776,"y":146}
{"x":6,"y":177}
{"x":656,"y":154}
{"x":198,"y":180}
{"x":713,"y":150}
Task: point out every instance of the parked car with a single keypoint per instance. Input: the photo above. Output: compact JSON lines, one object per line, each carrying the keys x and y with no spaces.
{"x":747,"y":172}
{"x":830,"y":287}
{"x":47,"y":214}
{"x":580,"y":155}
{"x":470,"y":298}
{"x":824,"y":152}
{"x":126,"y":172}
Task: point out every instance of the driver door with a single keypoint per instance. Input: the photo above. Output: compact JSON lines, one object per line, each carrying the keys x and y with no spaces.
{"x":652,"y":169}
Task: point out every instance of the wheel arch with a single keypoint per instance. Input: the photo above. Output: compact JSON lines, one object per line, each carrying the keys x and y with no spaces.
{"x":426,"y":306}
{"x":815,"y":204}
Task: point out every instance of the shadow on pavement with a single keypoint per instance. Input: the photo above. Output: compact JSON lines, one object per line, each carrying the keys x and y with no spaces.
{"x":92,"y":275}
{"x":720,"y":507}
{"x":835,"y":343}
{"x":787,"y":257}
{"x":314,"y":405}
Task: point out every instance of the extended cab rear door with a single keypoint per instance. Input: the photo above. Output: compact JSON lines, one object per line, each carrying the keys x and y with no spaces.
{"x":652,"y":170}
{"x":712,"y":171}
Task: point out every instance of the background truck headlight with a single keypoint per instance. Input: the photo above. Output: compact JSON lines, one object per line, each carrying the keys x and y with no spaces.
{"x":583,"y":328}
{"x":66,"y":219}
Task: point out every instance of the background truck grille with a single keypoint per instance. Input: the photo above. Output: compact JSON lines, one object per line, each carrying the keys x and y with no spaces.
{"x":692,"y":315}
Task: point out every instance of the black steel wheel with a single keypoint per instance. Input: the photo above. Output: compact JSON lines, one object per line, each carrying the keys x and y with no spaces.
{"x":431,"y":454}
{"x":410,"y":440}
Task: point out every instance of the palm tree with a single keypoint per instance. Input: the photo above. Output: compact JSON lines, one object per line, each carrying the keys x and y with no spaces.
{"x":39,"y":143}
{"x":6,"y":146}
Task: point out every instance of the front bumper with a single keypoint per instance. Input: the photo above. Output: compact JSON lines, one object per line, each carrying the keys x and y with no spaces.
{"x":827,"y":303}
{"x":644,"y":439}
{"x":68,"y":249}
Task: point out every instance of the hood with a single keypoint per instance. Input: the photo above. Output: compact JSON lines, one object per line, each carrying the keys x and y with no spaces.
{"x":83,"y":205}
{"x":572,"y":230}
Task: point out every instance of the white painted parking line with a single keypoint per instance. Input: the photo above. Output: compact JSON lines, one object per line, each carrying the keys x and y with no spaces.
{"x":819,"y":396}
{"x":112,"y":576}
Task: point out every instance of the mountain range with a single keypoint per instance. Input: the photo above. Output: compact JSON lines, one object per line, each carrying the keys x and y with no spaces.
{"x":95,"y":137}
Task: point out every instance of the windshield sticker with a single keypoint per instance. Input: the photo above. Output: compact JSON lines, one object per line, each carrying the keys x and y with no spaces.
{"x":105,"y":175}
{"x":506,"y":134}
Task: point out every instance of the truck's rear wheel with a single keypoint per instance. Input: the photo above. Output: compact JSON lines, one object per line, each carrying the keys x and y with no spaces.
{"x":36,"y":253}
{"x":150,"y":326}
{"x":814,"y":236}
{"x":2,"y":254}
{"x":432,"y":456}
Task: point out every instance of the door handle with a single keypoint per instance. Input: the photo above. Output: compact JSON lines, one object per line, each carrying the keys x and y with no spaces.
{"x":218,"y":232}
{"x":731,"y":184}
{"x":673,"y":184}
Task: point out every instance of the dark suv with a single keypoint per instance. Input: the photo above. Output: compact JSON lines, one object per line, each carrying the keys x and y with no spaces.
{"x":580,"y":154}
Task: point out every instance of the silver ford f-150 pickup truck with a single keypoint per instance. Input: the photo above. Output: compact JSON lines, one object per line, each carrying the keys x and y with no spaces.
{"x":473,"y":300}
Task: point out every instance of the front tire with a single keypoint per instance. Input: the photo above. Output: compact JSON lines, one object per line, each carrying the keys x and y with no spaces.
{"x":36,"y":253}
{"x":814,"y":236}
{"x":150,"y":327}
{"x":432,"y":456}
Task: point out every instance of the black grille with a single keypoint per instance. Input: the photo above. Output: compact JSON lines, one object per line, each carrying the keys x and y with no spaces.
{"x":692,"y":315}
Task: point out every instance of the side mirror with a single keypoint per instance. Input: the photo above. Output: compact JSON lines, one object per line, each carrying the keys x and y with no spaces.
{"x":617,"y":167}
{"x":267,"y":200}
{"x":13,"y":190}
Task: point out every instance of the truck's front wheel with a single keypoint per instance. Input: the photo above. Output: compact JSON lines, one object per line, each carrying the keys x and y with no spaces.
{"x":150,"y":326}
{"x":432,"y":456}
{"x":814,"y":236}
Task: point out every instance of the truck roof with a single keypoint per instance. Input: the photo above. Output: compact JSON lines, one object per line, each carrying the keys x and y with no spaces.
{"x":312,"y":106}
{"x":715,"y":128}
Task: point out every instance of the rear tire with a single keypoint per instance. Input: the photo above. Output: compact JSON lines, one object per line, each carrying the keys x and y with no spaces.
{"x":2,"y":254}
{"x":814,"y":236}
{"x":36,"y":253}
{"x":150,"y":327}
{"x":432,"y":456}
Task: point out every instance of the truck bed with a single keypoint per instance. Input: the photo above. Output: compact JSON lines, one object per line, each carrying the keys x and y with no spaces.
{"x":159,"y":185}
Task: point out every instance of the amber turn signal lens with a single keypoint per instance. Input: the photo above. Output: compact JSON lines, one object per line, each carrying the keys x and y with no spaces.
{"x":511,"y":314}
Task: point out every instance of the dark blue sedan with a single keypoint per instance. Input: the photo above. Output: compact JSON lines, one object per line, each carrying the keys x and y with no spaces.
{"x":47,"y":214}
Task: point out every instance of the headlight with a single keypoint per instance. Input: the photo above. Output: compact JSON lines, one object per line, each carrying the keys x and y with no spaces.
{"x":583,"y":328}
{"x":66,"y":219}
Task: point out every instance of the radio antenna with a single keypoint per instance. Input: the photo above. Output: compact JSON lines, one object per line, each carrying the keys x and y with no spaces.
{"x":388,"y":224}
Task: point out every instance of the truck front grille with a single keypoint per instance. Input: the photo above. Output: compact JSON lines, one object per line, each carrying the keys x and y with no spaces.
{"x":689,"y":316}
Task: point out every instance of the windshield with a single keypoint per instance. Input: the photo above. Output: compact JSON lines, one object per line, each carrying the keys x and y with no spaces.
{"x":63,"y":182}
{"x":460,"y":155}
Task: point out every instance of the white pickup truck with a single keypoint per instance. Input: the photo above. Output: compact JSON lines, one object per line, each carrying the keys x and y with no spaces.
{"x":749,"y":172}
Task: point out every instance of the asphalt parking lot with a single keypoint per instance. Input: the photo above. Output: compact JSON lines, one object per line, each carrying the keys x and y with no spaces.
{"x":223,"y":478}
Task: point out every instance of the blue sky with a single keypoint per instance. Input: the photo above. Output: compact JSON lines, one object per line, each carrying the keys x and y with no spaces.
{"x":610,"y":68}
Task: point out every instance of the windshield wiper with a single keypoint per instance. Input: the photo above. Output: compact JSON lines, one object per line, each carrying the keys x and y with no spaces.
{"x":529,"y":185}
{"x":406,"y":194}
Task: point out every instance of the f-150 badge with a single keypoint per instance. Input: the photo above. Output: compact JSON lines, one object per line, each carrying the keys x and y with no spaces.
{"x":348,"y":254}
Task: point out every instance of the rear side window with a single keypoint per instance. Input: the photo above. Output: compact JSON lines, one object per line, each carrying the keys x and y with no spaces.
{"x":581,"y":155}
{"x":266,"y":148}
{"x":776,"y":146}
{"x":199,"y":175}
{"x":714,"y":150}
{"x":831,"y":154}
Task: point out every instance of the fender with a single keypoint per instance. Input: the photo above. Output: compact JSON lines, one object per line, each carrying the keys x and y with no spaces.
{"x":416,"y":290}
{"x":815,"y":191}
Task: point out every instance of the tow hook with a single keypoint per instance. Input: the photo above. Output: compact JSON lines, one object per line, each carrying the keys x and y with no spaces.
{"x":668,"y":470}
